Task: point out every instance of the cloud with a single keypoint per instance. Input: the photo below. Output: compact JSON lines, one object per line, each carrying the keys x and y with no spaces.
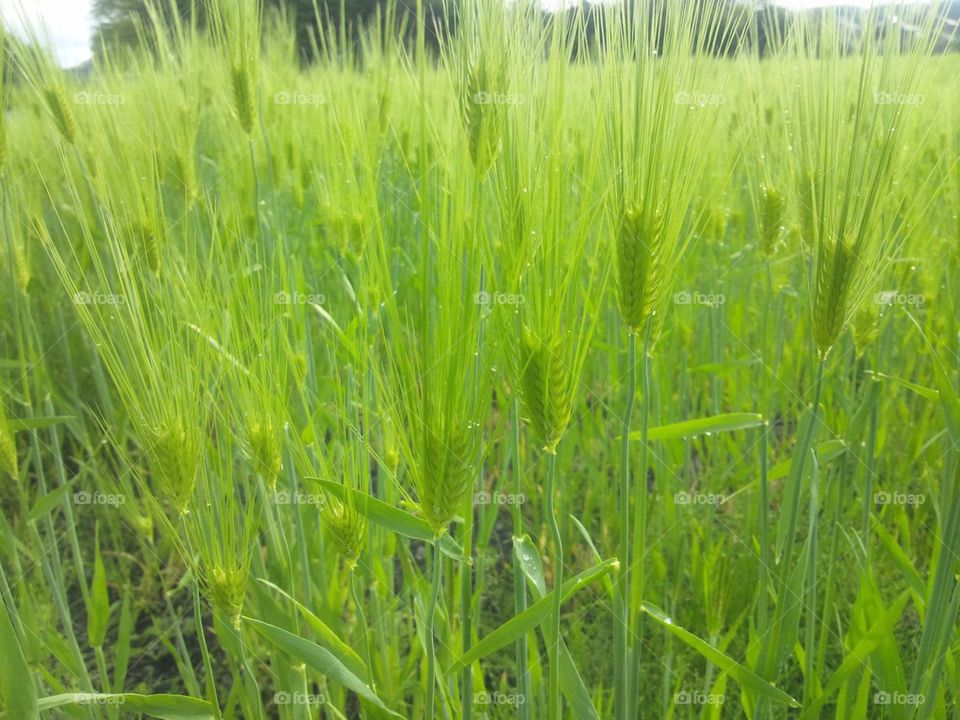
{"x":67,"y":25}
{"x":808,"y":4}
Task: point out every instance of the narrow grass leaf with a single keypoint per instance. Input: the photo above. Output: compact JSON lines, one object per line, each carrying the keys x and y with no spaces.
{"x":826,"y":451}
{"x":903,"y":562}
{"x":921,"y":390}
{"x":327,"y":636}
{"x":571,"y":683}
{"x":37,"y":423}
{"x":48,"y":502}
{"x":98,"y":609}
{"x":857,"y":657}
{"x":607,"y":582}
{"x":701,"y":426}
{"x":747,"y":679}
{"x":121,"y":649}
{"x":19,"y":693}
{"x":165,"y":707}
{"x":529,"y":618}
{"x":317,"y":658}
{"x":526,"y":553}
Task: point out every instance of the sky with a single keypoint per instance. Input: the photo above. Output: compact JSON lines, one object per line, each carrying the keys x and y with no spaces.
{"x":69,"y":22}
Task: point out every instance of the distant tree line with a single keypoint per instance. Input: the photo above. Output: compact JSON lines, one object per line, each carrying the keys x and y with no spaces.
{"x":117,"y":20}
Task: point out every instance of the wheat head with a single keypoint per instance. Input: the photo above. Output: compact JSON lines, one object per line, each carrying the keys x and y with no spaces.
{"x":641,"y":267}
{"x":835,"y":273}
{"x":8,"y":448}
{"x":61,"y":111}
{"x":263,"y":449}
{"x":546,"y":389}
{"x":445,"y":474}
{"x":773,"y":210}
{"x":244,"y":94}
{"x":347,"y":529}
{"x":174,"y":451}
{"x":227,"y":588}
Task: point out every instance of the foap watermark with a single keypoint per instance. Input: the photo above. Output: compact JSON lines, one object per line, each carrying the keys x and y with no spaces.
{"x":488,"y":299}
{"x":98,"y":498}
{"x":887,"y":98}
{"x":695,"y":697}
{"x":498,"y":498}
{"x":298,"y":298}
{"x":295,"y":97}
{"x":899,"y":498}
{"x":99,"y":98}
{"x":297,"y":498}
{"x":499,"y":698}
{"x":898,"y":698}
{"x":895,"y":297}
{"x":99,"y":699}
{"x":84,"y":297}
{"x":695,"y":297}
{"x":698,"y":498}
{"x":699,"y":99}
{"x":490,"y":97}
{"x":298,"y":698}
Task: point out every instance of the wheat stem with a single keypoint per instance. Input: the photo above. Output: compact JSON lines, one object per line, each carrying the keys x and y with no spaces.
{"x":208,"y":677}
{"x":519,"y":583}
{"x":763,"y":608}
{"x":640,"y":527}
{"x":766,"y":409}
{"x":621,"y":635}
{"x":810,"y":594}
{"x":361,"y":616}
{"x":431,"y":622}
{"x":555,"y":706}
{"x":245,"y":663}
{"x":466,"y":569}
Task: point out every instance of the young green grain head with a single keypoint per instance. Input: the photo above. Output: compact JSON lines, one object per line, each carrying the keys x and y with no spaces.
{"x":236,"y":25}
{"x":183,"y":162}
{"x":227,"y":588}
{"x":146,"y":241}
{"x":641,"y":267}
{"x":480,"y":114}
{"x":853,"y":152}
{"x":435,"y":393}
{"x":223,"y":524}
{"x":262,"y":448}
{"x":835,"y":270}
{"x":447,"y":457}
{"x":347,"y":529}
{"x":9,"y":464}
{"x":22,"y":273}
{"x":773,"y":211}
{"x":483,"y":53}
{"x":174,"y":448}
{"x":61,"y":110}
{"x":243,"y":85}
{"x":546,"y":387}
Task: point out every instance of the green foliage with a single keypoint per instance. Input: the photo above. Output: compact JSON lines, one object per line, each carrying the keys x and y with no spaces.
{"x":316,"y":381}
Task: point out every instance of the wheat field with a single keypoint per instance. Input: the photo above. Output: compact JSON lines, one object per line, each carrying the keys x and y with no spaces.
{"x":601,"y":364}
